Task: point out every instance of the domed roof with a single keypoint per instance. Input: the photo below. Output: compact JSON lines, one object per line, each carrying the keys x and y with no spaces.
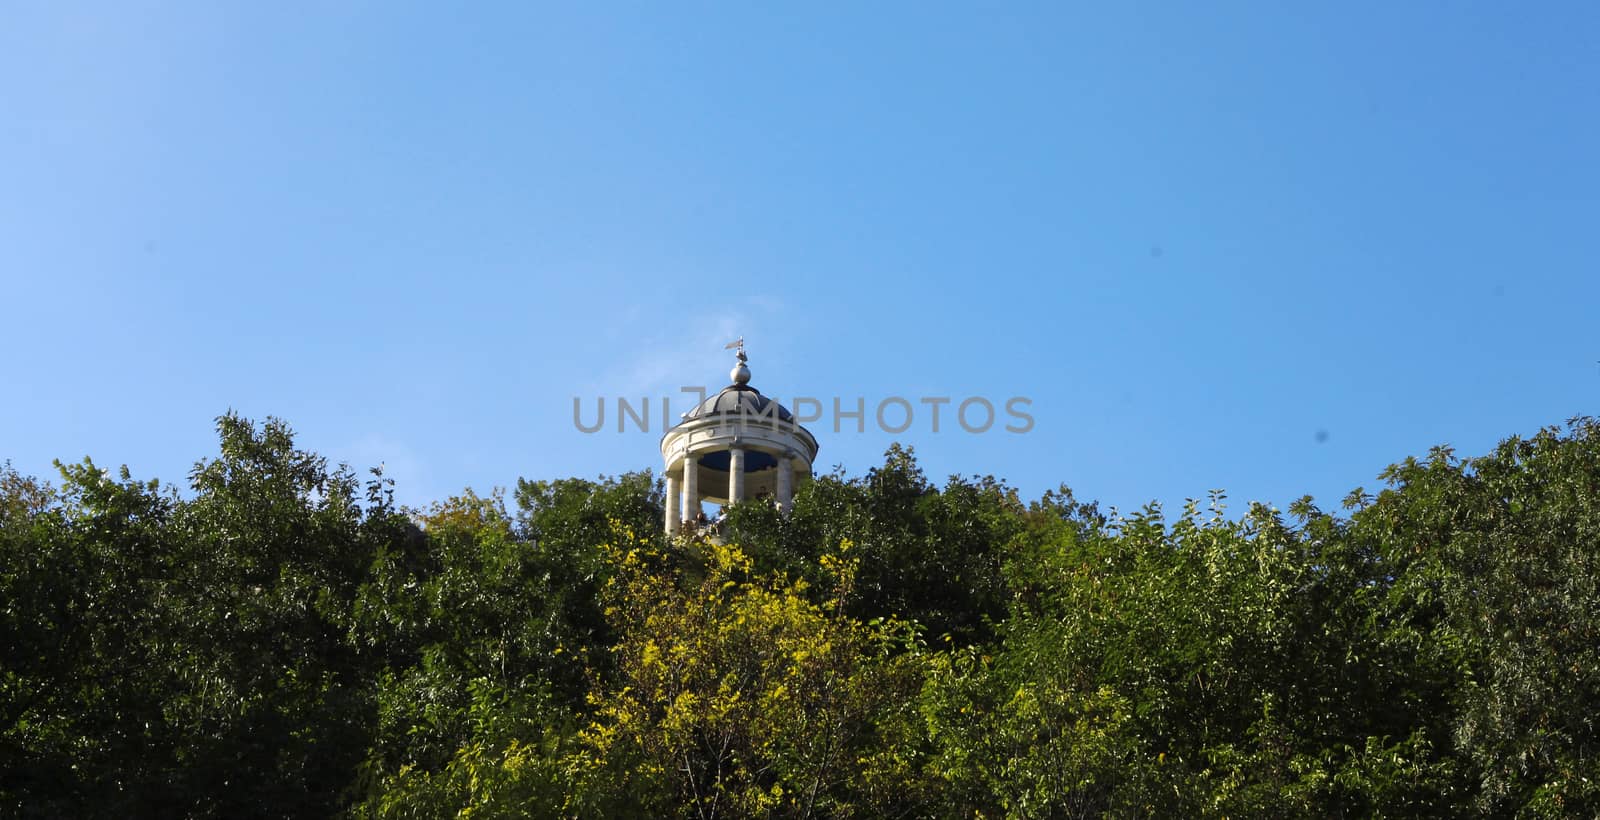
{"x":736,"y":399}
{"x":738,"y":418}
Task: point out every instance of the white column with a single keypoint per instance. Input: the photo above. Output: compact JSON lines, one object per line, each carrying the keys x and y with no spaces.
{"x":691,"y":487}
{"x":673,"y":518}
{"x":735,"y":475}
{"x":785,"y":484}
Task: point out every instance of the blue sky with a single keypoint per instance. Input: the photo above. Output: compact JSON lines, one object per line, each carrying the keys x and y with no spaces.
{"x":1264,"y":248}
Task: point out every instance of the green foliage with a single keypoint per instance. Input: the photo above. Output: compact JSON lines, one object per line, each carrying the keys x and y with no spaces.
{"x":739,"y":696}
{"x":510,"y":763}
{"x":280,"y":640}
{"x":169,"y":656}
{"x":1501,"y":556}
{"x":1245,"y":652}
{"x":81,"y":684}
{"x":490,"y":640}
{"x":926,"y":555}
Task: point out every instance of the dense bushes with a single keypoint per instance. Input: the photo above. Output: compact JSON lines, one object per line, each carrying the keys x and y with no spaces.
{"x":280,"y":640}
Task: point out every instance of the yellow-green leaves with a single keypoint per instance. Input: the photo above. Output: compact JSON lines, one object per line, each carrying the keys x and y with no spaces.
{"x":743,"y":692}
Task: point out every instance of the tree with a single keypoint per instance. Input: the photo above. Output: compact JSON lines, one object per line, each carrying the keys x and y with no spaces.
{"x":927,"y":555}
{"x":82,"y":686}
{"x":738,"y":695}
{"x":280,"y":640}
{"x":193,"y":657}
{"x":1498,"y":560}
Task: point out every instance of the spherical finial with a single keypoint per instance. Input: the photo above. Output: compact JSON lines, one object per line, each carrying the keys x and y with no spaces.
{"x":740,"y":374}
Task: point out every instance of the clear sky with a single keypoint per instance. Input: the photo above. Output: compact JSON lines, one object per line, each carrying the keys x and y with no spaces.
{"x":1270,"y":248}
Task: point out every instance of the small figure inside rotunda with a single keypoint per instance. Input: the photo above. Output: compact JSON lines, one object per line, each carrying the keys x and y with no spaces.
{"x":734,"y":446}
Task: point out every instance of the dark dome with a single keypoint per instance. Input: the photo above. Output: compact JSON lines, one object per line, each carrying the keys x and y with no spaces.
{"x":736,"y":399}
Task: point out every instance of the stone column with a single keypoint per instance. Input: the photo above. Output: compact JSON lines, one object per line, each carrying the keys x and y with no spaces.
{"x":735,"y":475}
{"x":785,"y":484}
{"x":673,"y":518}
{"x":691,"y":487}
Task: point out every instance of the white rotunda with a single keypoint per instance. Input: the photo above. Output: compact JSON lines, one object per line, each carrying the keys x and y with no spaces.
{"x":734,"y":446}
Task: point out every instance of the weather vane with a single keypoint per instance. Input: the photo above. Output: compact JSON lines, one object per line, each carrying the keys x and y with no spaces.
{"x":737,"y":343}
